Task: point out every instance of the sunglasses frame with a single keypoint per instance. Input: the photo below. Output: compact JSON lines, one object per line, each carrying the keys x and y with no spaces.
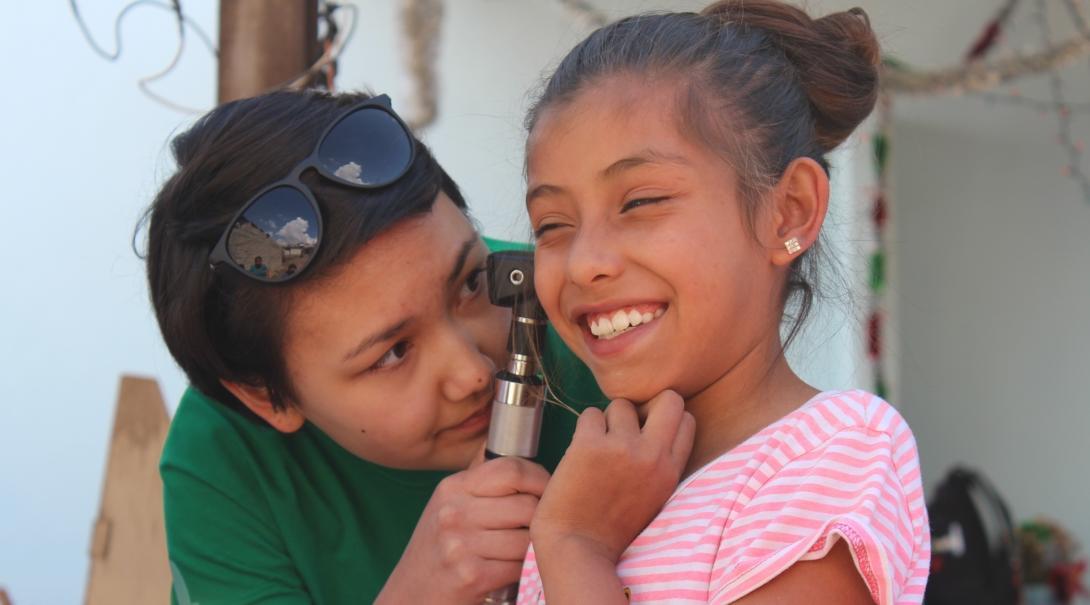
{"x":219,"y":254}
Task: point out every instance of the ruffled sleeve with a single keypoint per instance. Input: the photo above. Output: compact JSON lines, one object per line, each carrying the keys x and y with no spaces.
{"x":861,"y":485}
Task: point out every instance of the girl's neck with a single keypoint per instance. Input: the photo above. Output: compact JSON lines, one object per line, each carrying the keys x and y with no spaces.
{"x":757,"y":391}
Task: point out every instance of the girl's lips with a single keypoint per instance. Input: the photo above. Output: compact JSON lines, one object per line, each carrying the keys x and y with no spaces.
{"x":619,"y":344}
{"x":579,"y":313}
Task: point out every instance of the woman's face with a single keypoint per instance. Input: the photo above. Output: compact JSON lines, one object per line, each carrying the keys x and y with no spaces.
{"x":393,"y":356}
{"x":644,"y":261}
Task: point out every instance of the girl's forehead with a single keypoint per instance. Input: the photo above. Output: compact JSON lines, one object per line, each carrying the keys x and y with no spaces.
{"x":605,"y":124}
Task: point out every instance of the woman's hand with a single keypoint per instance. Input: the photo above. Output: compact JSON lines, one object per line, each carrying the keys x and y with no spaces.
{"x":612,"y":481}
{"x":472,"y":537}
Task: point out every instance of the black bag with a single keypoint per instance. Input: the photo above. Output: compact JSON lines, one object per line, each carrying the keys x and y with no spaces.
{"x":974,"y":555}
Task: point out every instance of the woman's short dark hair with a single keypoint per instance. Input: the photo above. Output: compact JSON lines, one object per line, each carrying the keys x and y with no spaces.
{"x":226,"y":327}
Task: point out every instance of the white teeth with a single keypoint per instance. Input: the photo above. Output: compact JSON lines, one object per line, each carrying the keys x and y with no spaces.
{"x":610,"y":326}
{"x":620,"y":321}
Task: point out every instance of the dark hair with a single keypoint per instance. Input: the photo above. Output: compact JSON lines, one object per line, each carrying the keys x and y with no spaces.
{"x":761,"y":84}
{"x":226,"y":327}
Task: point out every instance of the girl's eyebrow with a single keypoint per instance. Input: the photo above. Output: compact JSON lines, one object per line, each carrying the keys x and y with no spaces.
{"x":542,"y":191}
{"x":641,"y":158}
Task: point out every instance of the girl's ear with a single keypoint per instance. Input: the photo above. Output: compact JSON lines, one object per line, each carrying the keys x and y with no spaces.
{"x":285,"y":419}
{"x":800,"y":199}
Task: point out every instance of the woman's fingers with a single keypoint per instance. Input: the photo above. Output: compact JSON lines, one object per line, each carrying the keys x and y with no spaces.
{"x":507,"y":476}
{"x":502,"y":544}
{"x":508,"y":512}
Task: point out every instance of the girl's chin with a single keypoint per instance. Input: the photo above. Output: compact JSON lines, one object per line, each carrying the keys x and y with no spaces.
{"x":636,"y":393}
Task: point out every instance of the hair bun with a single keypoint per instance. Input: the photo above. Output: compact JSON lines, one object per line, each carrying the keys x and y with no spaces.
{"x":837,"y":58}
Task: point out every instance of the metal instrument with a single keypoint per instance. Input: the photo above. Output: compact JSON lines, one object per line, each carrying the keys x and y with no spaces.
{"x":520,"y":388}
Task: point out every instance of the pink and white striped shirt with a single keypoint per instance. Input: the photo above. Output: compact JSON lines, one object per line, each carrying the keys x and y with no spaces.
{"x":843,"y":466}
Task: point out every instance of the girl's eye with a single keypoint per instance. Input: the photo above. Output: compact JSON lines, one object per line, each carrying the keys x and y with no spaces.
{"x":544,"y":229}
{"x":474,"y":283}
{"x":393,"y":357}
{"x":633,"y":204}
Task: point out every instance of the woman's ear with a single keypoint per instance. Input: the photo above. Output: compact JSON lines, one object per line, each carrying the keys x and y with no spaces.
{"x":284,"y":419}
{"x":801,"y":199}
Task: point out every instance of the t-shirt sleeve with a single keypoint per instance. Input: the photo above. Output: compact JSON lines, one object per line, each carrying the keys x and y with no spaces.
{"x":861,"y":486}
{"x":221,"y":550}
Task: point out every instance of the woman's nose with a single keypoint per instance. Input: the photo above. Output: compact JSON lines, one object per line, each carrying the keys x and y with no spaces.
{"x":469,"y":370}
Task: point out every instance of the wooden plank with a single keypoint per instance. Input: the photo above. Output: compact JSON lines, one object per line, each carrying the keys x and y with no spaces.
{"x":128,"y":545}
{"x":264,"y":43}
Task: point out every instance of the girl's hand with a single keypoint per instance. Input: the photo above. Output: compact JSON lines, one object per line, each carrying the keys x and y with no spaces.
{"x":613,"y":479}
{"x":472,"y":536}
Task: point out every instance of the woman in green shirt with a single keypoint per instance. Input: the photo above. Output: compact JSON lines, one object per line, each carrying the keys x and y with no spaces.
{"x":328,"y":450}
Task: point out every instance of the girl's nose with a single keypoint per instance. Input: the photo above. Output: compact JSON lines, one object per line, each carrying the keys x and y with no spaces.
{"x":593,"y":257}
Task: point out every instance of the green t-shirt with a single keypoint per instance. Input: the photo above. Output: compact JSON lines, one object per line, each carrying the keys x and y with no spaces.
{"x":257,"y":516}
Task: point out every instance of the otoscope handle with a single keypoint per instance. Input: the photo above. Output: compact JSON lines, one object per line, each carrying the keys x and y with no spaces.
{"x":520,"y":390}
{"x":515,"y":428}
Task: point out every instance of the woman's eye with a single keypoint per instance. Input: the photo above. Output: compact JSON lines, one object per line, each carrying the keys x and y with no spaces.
{"x":393,"y":357}
{"x":474,"y":283}
{"x":633,"y":204}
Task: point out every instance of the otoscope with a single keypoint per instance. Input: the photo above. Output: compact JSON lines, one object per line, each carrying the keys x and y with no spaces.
{"x":520,"y":388}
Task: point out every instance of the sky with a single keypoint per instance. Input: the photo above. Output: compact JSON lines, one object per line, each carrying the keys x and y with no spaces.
{"x":82,"y":152}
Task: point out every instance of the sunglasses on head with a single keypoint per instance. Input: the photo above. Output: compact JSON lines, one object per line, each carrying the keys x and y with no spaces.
{"x":276,"y":233}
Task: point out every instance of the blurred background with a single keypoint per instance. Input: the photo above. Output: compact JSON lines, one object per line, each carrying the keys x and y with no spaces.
{"x":961,"y":224}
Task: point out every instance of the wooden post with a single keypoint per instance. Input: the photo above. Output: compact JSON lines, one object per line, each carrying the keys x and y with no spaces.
{"x":128,"y":546}
{"x":265,"y":43}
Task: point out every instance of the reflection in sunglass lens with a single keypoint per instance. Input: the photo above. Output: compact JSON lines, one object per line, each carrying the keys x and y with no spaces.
{"x":276,"y":236}
{"x":367,"y":147}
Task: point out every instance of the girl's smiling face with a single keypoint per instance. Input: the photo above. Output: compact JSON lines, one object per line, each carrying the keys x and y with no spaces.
{"x":646,"y":262}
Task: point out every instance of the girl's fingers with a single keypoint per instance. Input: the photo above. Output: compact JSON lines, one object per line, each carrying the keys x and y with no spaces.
{"x":683,"y":440}
{"x":664,"y":414}
{"x":591,"y":422}
{"x":621,"y":418}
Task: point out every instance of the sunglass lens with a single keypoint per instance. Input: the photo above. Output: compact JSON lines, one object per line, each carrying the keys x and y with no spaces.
{"x":367,"y":147}
{"x":276,"y":236}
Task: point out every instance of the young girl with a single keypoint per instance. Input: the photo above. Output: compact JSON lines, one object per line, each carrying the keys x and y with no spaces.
{"x":677,"y":185}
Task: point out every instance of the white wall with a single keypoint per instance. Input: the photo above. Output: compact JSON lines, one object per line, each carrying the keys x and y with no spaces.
{"x":994,"y":300}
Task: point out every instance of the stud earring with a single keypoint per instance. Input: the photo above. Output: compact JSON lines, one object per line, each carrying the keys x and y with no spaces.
{"x":792,"y":245}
